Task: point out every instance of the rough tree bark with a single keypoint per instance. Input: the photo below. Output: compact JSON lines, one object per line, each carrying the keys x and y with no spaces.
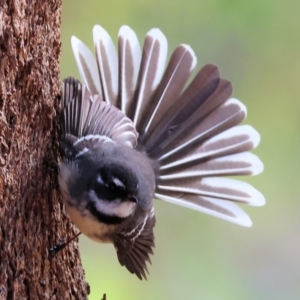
{"x":32,"y":216}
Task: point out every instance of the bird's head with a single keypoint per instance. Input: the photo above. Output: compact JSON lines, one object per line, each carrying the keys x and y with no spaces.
{"x":113,"y":191}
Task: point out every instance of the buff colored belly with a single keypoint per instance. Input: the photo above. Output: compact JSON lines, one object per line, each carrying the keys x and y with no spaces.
{"x":90,"y":227}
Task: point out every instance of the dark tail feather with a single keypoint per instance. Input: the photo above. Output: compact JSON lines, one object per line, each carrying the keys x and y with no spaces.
{"x":189,"y":112}
{"x":179,"y":69}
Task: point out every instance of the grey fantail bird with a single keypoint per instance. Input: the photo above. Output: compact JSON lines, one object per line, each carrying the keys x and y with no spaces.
{"x":132,"y":132}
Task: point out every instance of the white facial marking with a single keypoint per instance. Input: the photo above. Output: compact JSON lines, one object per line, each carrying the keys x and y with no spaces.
{"x":118,"y":182}
{"x":82,"y":152}
{"x":117,"y":207}
{"x":103,"y":138}
{"x":99,"y":179}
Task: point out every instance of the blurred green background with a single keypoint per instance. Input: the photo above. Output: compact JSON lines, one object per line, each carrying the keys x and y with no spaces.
{"x":256,"y":45}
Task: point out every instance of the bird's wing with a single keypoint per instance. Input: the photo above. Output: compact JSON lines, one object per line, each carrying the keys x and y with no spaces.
{"x":86,"y":115}
{"x":135,"y":246}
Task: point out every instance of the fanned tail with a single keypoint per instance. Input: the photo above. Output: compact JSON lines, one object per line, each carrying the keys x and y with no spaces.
{"x":194,"y":137}
{"x":197,"y":142}
{"x":192,"y":133}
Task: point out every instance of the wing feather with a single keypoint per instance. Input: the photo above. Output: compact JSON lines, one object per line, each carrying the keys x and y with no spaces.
{"x":134,"y":253}
{"x":84,"y":115}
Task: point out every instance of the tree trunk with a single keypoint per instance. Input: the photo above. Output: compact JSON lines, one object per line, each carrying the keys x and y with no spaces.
{"x":32,"y":216}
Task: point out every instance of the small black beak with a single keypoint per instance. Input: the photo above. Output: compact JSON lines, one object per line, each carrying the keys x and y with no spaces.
{"x":133,"y":198}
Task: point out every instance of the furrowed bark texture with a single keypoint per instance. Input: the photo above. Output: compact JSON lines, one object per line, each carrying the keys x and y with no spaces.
{"x":32,"y":217}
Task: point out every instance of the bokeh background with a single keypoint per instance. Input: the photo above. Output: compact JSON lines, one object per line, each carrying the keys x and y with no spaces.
{"x":256,"y":45}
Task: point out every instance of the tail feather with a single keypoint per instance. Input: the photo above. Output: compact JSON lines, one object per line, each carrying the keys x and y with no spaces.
{"x":222,"y":209}
{"x":234,"y":140}
{"x":107,"y":64}
{"x":129,"y":64}
{"x":244,"y":163}
{"x":178,"y":71}
{"x":226,"y":116}
{"x":150,"y":73}
{"x":202,"y":86}
{"x":181,"y":120}
{"x":216,"y":187}
{"x":87,"y":66}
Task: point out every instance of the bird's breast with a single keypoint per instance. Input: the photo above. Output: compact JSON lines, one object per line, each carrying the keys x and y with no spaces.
{"x":89,"y":226}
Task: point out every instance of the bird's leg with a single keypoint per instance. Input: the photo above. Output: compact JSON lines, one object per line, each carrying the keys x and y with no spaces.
{"x":55,"y":249}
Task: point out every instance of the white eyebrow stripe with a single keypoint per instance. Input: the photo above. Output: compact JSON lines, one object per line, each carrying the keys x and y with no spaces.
{"x":94,"y":136}
{"x":85,"y":150}
{"x":118,"y":182}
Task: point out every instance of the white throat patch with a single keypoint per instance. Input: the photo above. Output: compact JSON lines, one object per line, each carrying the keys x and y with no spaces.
{"x":118,"y":208}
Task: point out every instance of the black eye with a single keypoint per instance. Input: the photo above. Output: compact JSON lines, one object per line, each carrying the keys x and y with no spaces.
{"x":117,"y":187}
{"x":114,"y":188}
{"x":110,"y":189}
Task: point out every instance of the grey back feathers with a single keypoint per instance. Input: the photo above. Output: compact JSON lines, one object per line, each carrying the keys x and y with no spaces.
{"x":190,"y":132}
